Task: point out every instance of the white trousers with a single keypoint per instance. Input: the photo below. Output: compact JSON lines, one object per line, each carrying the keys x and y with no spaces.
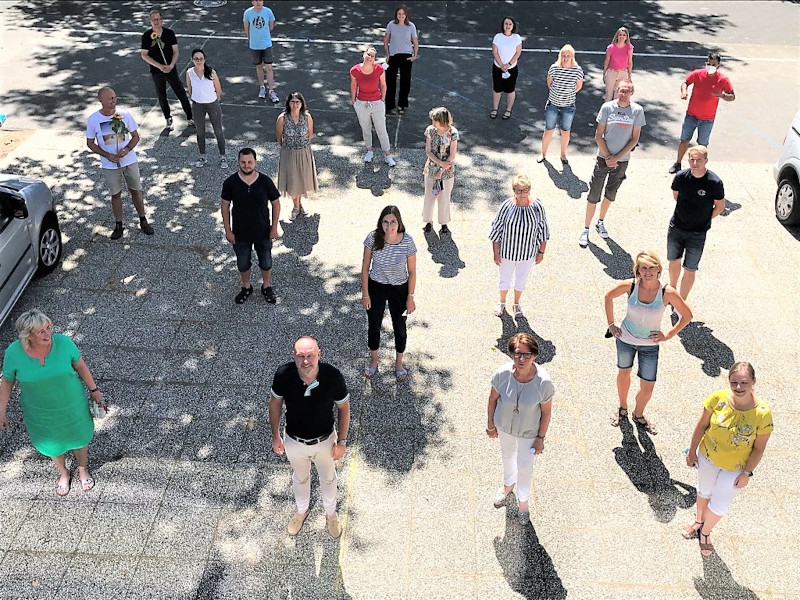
{"x":300,"y":457}
{"x":519,"y":269}
{"x":716,"y":484}
{"x":443,"y":198}
{"x":517,"y":463}
{"x":369,"y":114}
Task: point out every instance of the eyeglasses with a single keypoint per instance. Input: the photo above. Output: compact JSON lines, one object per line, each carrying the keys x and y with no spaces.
{"x":389,"y":223}
{"x":522,"y":355}
{"x":44,"y":330}
{"x":198,"y":59}
{"x":524,"y":190}
{"x":624,"y":91}
{"x":295,"y":102}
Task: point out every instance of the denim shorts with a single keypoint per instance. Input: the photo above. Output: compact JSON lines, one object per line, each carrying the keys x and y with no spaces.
{"x":692,"y":242}
{"x":703,"y":127}
{"x":243,"y":252}
{"x":648,"y":359}
{"x":262,"y":57}
{"x":561,"y":115}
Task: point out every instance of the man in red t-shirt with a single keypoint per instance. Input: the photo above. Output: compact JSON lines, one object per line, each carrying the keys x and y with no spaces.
{"x":708,"y":86}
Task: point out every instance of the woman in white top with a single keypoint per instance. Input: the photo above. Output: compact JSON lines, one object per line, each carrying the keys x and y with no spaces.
{"x":506,"y":48}
{"x":205,"y":92}
{"x":402,"y":49}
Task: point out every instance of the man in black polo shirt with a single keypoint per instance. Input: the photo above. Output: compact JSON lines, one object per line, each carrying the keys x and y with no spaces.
{"x":310,"y":389}
{"x":160,"y":51}
{"x":251,"y":193}
{"x":699,"y":196}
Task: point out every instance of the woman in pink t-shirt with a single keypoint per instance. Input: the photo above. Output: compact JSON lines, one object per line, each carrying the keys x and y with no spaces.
{"x":367,"y":93}
{"x":618,"y":65}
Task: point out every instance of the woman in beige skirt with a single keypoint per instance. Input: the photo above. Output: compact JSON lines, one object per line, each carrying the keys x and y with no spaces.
{"x":297,"y":172}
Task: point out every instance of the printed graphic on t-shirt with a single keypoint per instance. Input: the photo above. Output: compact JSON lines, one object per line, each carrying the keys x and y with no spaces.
{"x":259,"y":22}
{"x":109,"y":137}
{"x":620,"y":119}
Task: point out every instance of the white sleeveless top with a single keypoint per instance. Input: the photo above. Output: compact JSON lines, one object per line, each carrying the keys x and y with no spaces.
{"x":202,"y":89}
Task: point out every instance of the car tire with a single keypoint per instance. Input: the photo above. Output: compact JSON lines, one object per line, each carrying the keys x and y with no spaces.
{"x":787,"y":202}
{"x":49,"y":248}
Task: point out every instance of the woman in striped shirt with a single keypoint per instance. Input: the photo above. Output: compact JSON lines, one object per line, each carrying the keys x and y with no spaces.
{"x":519,"y":236}
{"x":565,"y":80}
{"x":388,"y":275}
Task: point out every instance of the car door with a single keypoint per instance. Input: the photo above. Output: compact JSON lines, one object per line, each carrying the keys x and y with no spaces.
{"x":17,"y":254}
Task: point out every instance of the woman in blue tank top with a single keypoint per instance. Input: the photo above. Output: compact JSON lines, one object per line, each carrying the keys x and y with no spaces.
{"x":640,"y":332}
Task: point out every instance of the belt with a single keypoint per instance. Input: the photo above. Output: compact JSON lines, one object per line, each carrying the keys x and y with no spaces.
{"x":312,"y":441}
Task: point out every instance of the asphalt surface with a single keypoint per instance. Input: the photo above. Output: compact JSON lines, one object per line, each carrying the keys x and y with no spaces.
{"x":191,"y":502}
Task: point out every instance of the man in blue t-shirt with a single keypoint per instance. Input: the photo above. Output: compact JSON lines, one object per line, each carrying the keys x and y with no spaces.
{"x":699,"y":197}
{"x":258,"y":23}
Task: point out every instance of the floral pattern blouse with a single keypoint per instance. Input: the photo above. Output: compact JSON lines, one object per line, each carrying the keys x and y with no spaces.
{"x":440,"y":146}
{"x":295,"y":135}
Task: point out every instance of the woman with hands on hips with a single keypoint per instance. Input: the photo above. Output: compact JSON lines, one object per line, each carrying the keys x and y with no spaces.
{"x":640,"y":332}
{"x":519,"y":415}
{"x":727,"y":444}
{"x":388,"y":276}
{"x":367,"y":93}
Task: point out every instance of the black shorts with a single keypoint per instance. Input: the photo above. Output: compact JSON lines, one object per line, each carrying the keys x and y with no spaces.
{"x":507,"y":85}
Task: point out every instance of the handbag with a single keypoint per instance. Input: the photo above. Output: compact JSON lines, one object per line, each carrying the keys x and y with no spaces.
{"x":98,"y":411}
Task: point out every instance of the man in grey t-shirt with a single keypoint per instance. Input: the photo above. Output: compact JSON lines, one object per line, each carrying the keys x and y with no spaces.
{"x":619,"y":124}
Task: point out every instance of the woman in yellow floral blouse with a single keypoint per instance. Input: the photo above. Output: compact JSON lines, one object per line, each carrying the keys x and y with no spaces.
{"x":727,"y":445}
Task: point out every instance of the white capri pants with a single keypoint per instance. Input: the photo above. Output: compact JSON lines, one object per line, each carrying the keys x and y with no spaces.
{"x":517,"y":463}
{"x":443,"y":198}
{"x":369,"y":114}
{"x":300,"y":457}
{"x":517,"y":268}
{"x":716,"y":484}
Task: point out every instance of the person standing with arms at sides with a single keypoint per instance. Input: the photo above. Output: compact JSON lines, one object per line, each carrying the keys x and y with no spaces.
{"x":619,"y":125}
{"x":506,"y":50}
{"x":699,"y":197}
{"x":367,"y":92}
{"x":297,"y":171}
{"x":205,"y":92}
{"x":258,"y":24}
{"x":565,"y":80}
{"x":402,"y":49}
{"x":708,"y":86}
{"x":160,"y":51}
{"x":441,"y":145}
{"x":251,"y":193}
{"x":618,"y":65}
{"x":310,"y":389}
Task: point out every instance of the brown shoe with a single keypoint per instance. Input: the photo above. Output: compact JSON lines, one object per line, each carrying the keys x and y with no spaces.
{"x":296,"y":523}
{"x":334,"y":528}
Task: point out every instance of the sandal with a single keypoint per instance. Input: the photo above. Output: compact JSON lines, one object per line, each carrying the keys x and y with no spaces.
{"x":500,"y":496}
{"x":706,"y":548}
{"x":369,"y":372}
{"x":501,"y":308}
{"x":618,"y":415}
{"x":506,"y":115}
{"x":402,"y":374}
{"x":518,"y":311}
{"x":689,"y":532}
{"x":493,"y":114}
{"x":87,"y":484}
{"x":648,"y":426}
{"x":63,"y":490}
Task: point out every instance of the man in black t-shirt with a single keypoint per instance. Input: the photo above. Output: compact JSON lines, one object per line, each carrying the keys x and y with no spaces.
{"x":699,"y":197}
{"x":310,"y":389}
{"x":251,"y":194}
{"x":160,"y":51}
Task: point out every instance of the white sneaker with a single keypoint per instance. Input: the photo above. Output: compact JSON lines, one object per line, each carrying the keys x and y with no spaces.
{"x":583,"y":241}
{"x":262,"y":93}
{"x":223,"y":163}
{"x":201,"y":162}
{"x":601,"y":229}
{"x":389,"y":160}
{"x":274,"y":97}
{"x":368,"y":156}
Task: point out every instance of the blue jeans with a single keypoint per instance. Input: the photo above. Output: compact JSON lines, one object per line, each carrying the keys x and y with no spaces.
{"x":562,"y":115}
{"x":692,"y":242}
{"x":703,"y":127}
{"x":648,"y":359}
{"x":243,"y":252}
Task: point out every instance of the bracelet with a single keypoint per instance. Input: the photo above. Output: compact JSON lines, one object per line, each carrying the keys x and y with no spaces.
{"x":541,"y":437}
{"x":749,"y":473}
{"x":411,"y":294}
{"x":94,"y":390}
{"x":492,"y":429}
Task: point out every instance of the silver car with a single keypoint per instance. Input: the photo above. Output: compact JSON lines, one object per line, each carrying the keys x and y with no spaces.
{"x":30,"y":238}
{"x":787,"y":176}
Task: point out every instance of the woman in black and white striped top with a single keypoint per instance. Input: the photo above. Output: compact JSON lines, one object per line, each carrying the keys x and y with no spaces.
{"x":565,"y":80}
{"x":519,"y":236}
{"x":388,"y":275}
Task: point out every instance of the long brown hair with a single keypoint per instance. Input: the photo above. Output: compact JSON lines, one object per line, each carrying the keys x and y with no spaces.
{"x":380,"y":239}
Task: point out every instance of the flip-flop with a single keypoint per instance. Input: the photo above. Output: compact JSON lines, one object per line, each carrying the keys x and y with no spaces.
{"x":87,"y":484}
{"x":63,"y":490}
{"x":369,"y":372}
{"x":402,"y":374}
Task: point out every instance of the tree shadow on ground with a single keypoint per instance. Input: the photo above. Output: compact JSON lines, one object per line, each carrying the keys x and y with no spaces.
{"x":444,"y":251}
{"x":566,"y":180}
{"x":618,"y":263}
{"x":376,"y":181}
{"x":547,"y":350}
{"x":699,"y":341}
{"x":302,"y":234}
{"x":718,"y":583}
{"x":527,"y":566}
{"x":649,"y":475}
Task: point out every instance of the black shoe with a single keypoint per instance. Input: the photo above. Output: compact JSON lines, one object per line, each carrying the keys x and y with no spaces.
{"x":145,"y":226}
{"x":444,"y":230}
{"x":675,"y":168}
{"x":169,"y":123}
{"x":117,"y":233}
{"x":428,"y":227}
{"x":242,"y":296}
{"x":269,"y":296}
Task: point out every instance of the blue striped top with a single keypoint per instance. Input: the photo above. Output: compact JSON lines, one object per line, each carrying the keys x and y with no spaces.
{"x":390,"y":263}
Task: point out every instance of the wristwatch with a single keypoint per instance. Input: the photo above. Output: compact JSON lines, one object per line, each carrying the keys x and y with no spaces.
{"x":342,"y":442}
{"x":541,"y":437}
{"x":749,"y":473}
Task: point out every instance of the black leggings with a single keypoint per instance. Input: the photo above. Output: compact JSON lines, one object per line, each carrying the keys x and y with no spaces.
{"x":396,"y":296}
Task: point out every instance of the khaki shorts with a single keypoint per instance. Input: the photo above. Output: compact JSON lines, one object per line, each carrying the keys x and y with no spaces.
{"x":131,"y":175}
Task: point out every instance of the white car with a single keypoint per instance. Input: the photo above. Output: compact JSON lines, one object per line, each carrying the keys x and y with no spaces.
{"x":787,"y":176}
{"x":30,"y":239}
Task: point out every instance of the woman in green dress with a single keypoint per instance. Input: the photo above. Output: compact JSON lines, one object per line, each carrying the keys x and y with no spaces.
{"x":51,"y":376}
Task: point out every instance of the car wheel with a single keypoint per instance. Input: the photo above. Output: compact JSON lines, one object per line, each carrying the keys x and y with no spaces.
{"x":787,"y":202}
{"x":49,"y":245}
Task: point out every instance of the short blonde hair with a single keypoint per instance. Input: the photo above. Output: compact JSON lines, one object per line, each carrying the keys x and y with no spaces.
{"x":567,"y":48}
{"x":699,"y":148}
{"x":441,"y":115}
{"x":28,"y":322}
{"x":648,"y":258}
{"x":520,"y":179}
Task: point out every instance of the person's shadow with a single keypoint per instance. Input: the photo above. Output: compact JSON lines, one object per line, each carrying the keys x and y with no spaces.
{"x":618,"y":262}
{"x":547,"y":350}
{"x":566,"y":180}
{"x":698,"y":340}
{"x":526,"y":565}
{"x":729,"y":208}
{"x":649,"y":475}
{"x":302,"y":234}
{"x":444,"y":251}
{"x":717,"y":582}
{"x":375,"y":181}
